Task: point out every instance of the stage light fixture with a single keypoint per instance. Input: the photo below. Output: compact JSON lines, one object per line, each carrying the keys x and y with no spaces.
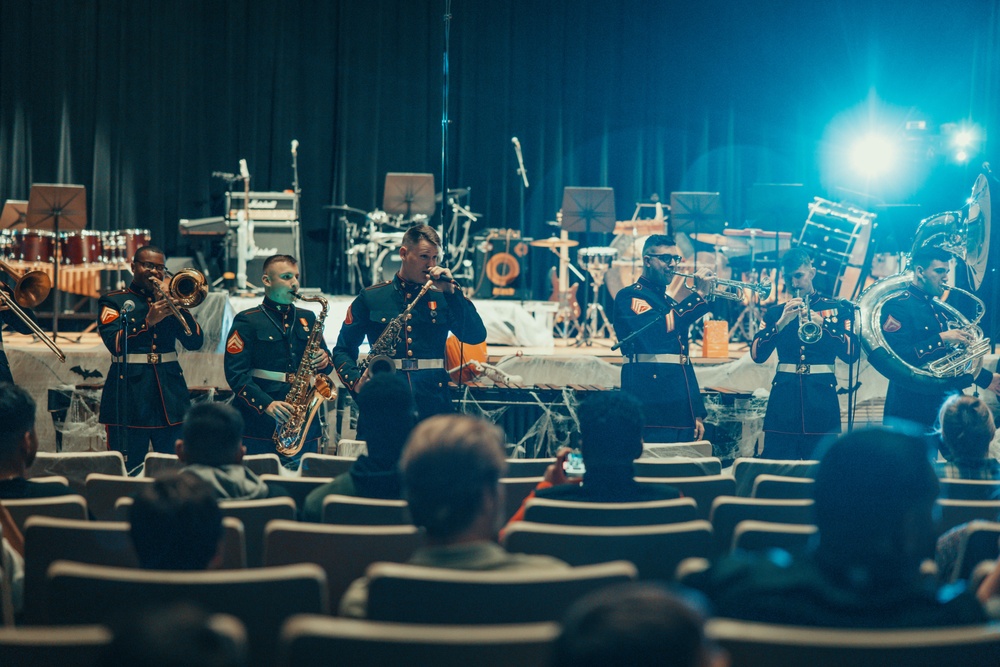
{"x":964,"y":138}
{"x":961,"y":156}
{"x":873,"y":155}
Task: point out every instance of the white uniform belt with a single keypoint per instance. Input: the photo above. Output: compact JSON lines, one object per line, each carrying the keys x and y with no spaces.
{"x":277,"y":376}
{"x":417,"y":364}
{"x":148,"y":358}
{"x":806,"y":369}
{"x":658,"y":359}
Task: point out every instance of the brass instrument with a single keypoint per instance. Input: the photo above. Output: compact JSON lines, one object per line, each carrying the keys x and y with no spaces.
{"x":309,"y":389}
{"x":31,"y":289}
{"x":733,"y":289}
{"x":809,"y":331}
{"x":379,"y":359}
{"x":185,"y":289}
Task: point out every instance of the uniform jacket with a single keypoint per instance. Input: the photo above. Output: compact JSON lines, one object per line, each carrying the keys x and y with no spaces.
{"x":157,"y":394}
{"x":18,"y":325}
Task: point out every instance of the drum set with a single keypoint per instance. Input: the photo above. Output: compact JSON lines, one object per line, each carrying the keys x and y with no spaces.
{"x":83,"y":248}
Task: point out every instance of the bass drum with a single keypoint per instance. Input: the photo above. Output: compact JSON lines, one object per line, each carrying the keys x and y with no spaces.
{"x":386,"y":265}
{"x":838,"y":237}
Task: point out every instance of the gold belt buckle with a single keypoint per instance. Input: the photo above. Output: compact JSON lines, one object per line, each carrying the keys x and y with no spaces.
{"x":802,"y":369}
{"x":152,"y":357}
{"x":683,"y":358}
{"x":290,"y":378}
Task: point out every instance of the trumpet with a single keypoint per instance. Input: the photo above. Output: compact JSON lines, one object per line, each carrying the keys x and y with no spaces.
{"x":185,"y":289}
{"x":733,"y":289}
{"x":809,"y":331}
{"x":31,"y":289}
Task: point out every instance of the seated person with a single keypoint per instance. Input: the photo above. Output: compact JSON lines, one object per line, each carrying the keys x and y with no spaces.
{"x":451,"y":466}
{"x":19,"y":445}
{"x":967,"y":430}
{"x":386,"y":406}
{"x":611,"y":424}
{"x":212,"y":450}
{"x":874,"y":502}
{"x":176,"y":524}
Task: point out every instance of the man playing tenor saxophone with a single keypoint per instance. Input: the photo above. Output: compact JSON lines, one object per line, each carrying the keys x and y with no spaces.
{"x":264,"y":351}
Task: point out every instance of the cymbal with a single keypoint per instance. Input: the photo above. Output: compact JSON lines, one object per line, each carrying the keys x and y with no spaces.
{"x":555,"y":243}
{"x":345,"y":208}
{"x":452,"y":192}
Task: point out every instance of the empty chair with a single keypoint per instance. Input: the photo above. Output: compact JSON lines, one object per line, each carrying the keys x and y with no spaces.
{"x":262,"y":598}
{"x":528,"y":467}
{"x":763,"y":645}
{"x":156,"y":463}
{"x":778,"y":487}
{"x":297,"y":487}
{"x":263,"y":464}
{"x":695,"y":448}
{"x":76,"y":466}
{"x":655,"y":550}
{"x":956,"y":512}
{"x":347,"y":447}
{"x":574,"y":513}
{"x":60,"y":507}
{"x":704,"y":490}
{"x":516,"y":489}
{"x":254,"y":514}
{"x":316,"y":641}
{"x":745,"y":470}
{"x":679,"y":466}
{"x":728,"y":511}
{"x":71,"y":646}
{"x":324,"y":465}
{"x":969,"y":489}
{"x":352,"y":511}
{"x":979,"y":542}
{"x":763,"y":535}
{"x":102,"y":491}
{"x":51,"y":479}
{"x":344,"y":552}
{"x":415,"y":594}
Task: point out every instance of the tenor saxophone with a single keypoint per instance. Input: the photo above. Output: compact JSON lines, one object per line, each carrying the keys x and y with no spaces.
{"x":309,"y":390}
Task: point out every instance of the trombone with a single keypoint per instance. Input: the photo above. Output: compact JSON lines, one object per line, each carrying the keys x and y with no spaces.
{"x":185,"y":289}
{"x":31,"y":289}
{"x":732,"y":289}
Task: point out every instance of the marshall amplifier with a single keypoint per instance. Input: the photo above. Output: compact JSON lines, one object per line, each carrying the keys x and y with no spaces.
{"x":264,"y":205}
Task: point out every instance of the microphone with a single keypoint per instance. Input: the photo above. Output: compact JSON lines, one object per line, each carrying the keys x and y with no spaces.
{"x":516,"y":142}
{"x":520,"y":160}
{"x":244,"y":172}
{"x":295,"y":147}
{"x":225,"y":174}
{"x":128,"y":307}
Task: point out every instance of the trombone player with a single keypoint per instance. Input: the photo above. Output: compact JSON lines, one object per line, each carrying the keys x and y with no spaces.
{"x":31,"y":289}
{"x":145,"y":395}
{"x":809,"y":332}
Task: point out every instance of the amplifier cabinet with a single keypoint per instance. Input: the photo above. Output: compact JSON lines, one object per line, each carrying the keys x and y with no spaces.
{"x":264,"y":205}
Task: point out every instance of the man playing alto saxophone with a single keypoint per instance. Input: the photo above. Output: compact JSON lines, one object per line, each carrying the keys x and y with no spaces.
{"x":263,"y":353}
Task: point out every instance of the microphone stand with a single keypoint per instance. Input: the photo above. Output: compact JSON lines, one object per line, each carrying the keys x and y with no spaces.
{"x":523,"y":173}
{"x":445,"y":122}
{"x":123,"y":389}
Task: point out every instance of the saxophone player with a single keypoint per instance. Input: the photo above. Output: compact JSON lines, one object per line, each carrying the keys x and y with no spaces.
{"x":264,"y":350}
{"x":420,"y":347}
{"x":803,"y":407}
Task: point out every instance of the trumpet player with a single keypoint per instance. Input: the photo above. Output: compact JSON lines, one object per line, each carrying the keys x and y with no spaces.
{"x":145,"y":395}
{"x":809,"y":333}
{"x":657,"y":369}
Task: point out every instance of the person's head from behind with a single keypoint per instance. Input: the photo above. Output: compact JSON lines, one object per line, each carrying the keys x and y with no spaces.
{"x":18,"y":440}
{"x":874,"y":503}
{"x":611,"y":424}
{"x":634,"y":624}
{"x":176,"y":524}
{"x":212,"y":435}
{"x":387,"y":415}
{"x":967,"y":428}
{"x":451,"y":469}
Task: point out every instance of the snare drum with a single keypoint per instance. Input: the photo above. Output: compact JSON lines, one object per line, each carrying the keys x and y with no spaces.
{"x":596,"y":257}
{"x":29,"y":245}
{"x":83,"y":247}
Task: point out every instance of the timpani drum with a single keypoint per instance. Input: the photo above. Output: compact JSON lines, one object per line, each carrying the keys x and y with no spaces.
{"x":81,"y":248}
{"x":130,"y":241}
{"x":33,"y":246}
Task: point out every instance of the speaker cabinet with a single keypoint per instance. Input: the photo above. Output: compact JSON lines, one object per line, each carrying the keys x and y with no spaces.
{"x":271,"y":238}
{"x":502,"y":266}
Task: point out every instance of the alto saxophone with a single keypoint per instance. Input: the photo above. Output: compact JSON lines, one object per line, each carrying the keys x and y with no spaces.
{"x":381,"y":352}
{"x":308,"y":391}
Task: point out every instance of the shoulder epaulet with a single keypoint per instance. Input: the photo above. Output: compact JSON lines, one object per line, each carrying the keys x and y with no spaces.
{"x":381,"y":284}
{"x":117,"y":292}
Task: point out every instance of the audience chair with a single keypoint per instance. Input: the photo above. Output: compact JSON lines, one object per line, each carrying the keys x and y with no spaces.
{"x":969,"y":489}
{"x":297,"y":487}
{"x":263,"y":464}
{"x":76,"y":466}
{"x":324,"y":465}
{"x":347,"y":447}
{"x":51,"y":479}
{"x":70,"y":646}
{"x":655,"y":550}
{"x":695,"y":448}
{"x":157,"y":463}
{"x":956,"y":512}
{"x":352,"y":511}
{"x":729,"y":511}
{"x":980,"y":541}
{"x":528,"y":467}
{"x":745,"y":470}
{"x":59,"y":507}
{"x":573,"y":513}
{"x":344,"y":552}
{"x":765,"y":535}
{"x":103,"y":490}
{"x":680,"y":466}
{"x":764,"y":645}
{"x":261,"y":598}
{"x":254,"y":514}
{"x":704,"y":490}
{"x":317,"y":641}
{"x":779,"y":487}
{"x":414,"y":594}
{"x":516,"y":489}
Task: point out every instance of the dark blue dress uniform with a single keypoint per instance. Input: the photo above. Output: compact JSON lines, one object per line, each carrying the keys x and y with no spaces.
{"x":154,"y":399}
{"x":18,"y":325}
{"x":657,"y":369}
{"x":420,"y":350}
{"x":264,"y":347}
{"x":803,"y":406}
{"x":912,"y":323}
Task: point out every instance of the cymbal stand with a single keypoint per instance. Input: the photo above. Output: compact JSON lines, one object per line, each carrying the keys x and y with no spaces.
{"x":748,"y":322}
{"x":461,"y":267}
{"x":595,"y":320}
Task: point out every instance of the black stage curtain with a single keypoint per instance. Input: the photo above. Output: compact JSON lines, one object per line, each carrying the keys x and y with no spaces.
{"x":141,"y":101}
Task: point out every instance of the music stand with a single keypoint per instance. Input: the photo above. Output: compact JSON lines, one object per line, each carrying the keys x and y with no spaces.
{"x":590,"y":210}
{"x":53,"y":206}
{"x":409,"y":195}
{"x":15,"y":212}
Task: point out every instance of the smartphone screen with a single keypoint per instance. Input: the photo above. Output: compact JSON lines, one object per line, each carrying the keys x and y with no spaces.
{"x":573,"y":466}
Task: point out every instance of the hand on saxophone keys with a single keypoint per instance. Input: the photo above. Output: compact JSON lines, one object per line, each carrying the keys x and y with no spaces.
{"x":280,"y":411}
{"x":319,"y":360}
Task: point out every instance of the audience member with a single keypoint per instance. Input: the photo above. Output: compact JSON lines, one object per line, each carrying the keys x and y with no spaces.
{"x":451,"y":467}
{"x":389,"y":413}
{"x":611,"y":425}
{"x":11,"y":564}
{"x":967,"y":430}
{"x":19,"y":445}
{"x":638,"y":624}
{"x":176,"y":524}
{"x":212,"y":450}
{"x":874,"y":500}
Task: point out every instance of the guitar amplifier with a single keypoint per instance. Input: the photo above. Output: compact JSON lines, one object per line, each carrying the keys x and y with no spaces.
{"x":502,"y":265}
{"x":264,"y":205}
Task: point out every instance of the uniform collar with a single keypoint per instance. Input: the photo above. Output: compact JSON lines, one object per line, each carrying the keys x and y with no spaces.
{"x":145,"y":294}
{"x":646,"y":283}
{"x":282,"y":308}
{"x":920,"y":293}
{"x":405,"y":285}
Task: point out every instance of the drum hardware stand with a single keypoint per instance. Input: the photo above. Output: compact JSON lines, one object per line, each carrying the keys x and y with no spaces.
{"x":566,"y":320}
{"x":595,"y":321}
{"x":460,"y":266}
